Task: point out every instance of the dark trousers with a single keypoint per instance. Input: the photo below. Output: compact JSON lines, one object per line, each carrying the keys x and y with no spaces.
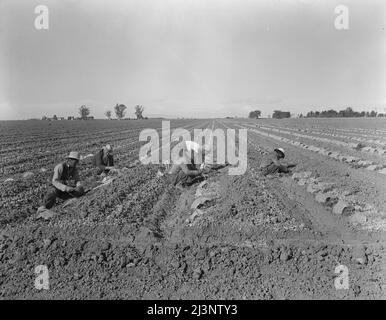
{"x":99,"y":171}
{"x":186,"y":180}
{"x":273,"y":168}
{"x":53,"y":193}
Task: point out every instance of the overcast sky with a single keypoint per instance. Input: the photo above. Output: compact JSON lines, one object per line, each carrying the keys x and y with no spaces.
{"x":191,"y":58}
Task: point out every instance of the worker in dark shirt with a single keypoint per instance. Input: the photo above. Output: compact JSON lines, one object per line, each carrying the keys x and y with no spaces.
{"x":103,"y":160}
{"x":65,"y":182}
{"x":273,"y":163}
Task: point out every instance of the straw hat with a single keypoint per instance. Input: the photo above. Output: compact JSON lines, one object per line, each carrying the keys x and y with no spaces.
{"x":281,"y":150}
{"x":74,"y":155}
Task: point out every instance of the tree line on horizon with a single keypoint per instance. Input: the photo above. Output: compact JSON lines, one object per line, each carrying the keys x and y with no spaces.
{"x":346,"y":113}
{"x":277,"y":114}
{"x":119,"y":109}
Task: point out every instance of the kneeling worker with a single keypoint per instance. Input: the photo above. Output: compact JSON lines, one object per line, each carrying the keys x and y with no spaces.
{"x":272,"y":163}
{"x":104,"y":160}
{"x":186,"y":173}
{"x":65,"y":182}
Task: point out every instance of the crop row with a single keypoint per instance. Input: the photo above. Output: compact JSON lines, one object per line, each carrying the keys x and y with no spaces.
{"x":351,"y":145}
{"x":333,"y":134}
{"x":41,"y":143}
{"x":21,"y":195}
{"x":339,"y":201}
{"x":29,"y":160}
{"x":350,"y":160}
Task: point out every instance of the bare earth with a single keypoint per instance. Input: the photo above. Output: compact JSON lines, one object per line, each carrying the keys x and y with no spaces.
{"x":256,"y":238}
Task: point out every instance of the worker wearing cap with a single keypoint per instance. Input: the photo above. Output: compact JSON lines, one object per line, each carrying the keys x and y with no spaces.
{"x":103,"y":160}
{"x":186,"y":173}
{"x":65,"y":182}
{"x":272,"y":163}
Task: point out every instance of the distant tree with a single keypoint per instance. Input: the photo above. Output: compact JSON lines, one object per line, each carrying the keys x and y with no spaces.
{"x":54,"y":117}
{"x":44,"y":118}
{"x":255,"y":114}
{"x":120,"y":110}
{"x":332,"y":113}
{"x":348,"y":112}
{"x":277,"y":114}
{"x":108,"y":114}
{"x":138,"y":111}
{"x":328,"y":113}
{"x":84,"y":112}
{"x":373,"y":113}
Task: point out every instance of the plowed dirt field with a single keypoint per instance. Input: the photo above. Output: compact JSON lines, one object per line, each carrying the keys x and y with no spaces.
{"x":274,"y":237}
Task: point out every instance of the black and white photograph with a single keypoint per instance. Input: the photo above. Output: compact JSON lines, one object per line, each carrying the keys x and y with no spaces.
{"x":220,"y":151}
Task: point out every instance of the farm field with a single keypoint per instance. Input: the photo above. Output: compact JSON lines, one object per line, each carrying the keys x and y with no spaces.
{"x":279,"y":237}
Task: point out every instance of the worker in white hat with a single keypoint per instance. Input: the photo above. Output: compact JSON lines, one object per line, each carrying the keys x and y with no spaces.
{"x":280,"y":151}
{"x":272,"y":163}
{"x":186,"y":172}
{"x":103,"y":160}
{"x":65,"y":182}
{"x":192,"y":146}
